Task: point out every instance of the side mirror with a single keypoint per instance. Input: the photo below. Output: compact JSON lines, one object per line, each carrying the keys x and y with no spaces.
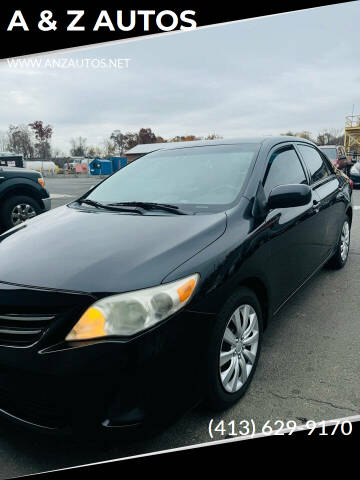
{"x":287,"y":196}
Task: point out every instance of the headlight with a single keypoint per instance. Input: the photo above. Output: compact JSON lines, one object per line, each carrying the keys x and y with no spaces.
{"x":129,"y":313}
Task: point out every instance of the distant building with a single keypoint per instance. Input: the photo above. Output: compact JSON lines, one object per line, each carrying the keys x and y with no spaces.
{"x":141,"y":150}
{"x":145,"y":148}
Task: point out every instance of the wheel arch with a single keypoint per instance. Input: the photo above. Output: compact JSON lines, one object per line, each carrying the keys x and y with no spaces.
{"x":18,"y":190}
{"x":349,"y":213}
{"x":259,"y":288}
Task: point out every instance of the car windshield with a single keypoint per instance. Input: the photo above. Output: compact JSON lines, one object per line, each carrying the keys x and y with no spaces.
{"x":331,"y":153}
{"x":192,"y":178}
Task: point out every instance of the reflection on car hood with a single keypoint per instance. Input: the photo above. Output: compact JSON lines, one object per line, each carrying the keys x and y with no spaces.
{"x":99,"y":251}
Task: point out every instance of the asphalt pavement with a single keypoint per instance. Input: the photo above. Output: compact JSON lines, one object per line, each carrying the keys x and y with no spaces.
{"x":64,"y":189}
{"x":308,"y":370}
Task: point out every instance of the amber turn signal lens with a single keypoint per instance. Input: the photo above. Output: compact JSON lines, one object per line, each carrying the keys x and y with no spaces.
{"x":186,"y":290}
{"x":41,"y":181}
{"x":90,"y":325}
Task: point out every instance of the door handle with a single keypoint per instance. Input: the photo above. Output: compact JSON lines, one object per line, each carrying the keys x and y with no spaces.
{"x":316,"y":206}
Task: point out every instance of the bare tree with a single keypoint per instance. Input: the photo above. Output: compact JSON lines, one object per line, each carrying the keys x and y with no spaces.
{"x":186,"y":138}
{"x":57,"y":153}
{"x":109,"y":148}
{"x":78,"y":147}
{"x":304,"y":134}
{"x":331,"y":136}
{"x":20,"y":140}
{"x":4,"y":141}
{"x":213,"y":136}
{"x":119,"y":141}
{"x":289,"y":133}
{"x":94,"y":152}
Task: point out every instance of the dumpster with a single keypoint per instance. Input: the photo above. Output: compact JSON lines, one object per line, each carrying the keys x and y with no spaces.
{"x":100,"y":166}
{"x":118,"y":162}
{"x":106,"y":167}
{"x":95,"y":166}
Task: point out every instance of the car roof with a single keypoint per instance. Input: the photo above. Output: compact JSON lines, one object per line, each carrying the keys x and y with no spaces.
{"x":329,"y":146}
{"x":151,"y":147}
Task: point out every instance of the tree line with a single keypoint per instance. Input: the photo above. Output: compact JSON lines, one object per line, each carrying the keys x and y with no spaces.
{"x":330,"y":136}
{"x":33,"y":140}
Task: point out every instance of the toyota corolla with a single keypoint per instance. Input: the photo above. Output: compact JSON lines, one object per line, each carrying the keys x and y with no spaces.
{"x":152,"y":291}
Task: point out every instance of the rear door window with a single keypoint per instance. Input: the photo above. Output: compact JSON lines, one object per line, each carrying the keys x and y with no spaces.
{"x":318,"y":167}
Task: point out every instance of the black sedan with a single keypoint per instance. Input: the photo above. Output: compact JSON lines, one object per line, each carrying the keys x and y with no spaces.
{"x":152,"y":291}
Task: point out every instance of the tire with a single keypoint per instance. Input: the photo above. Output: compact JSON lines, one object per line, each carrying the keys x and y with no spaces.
{"x":339,"y":259}
{"x":217,"y":392}
{"x":27,"y":208}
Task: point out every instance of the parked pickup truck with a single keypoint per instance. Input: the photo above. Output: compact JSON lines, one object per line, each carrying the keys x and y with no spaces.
{"x":22,"y":196}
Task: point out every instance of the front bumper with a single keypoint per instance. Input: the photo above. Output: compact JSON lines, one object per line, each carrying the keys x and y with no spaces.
{"x":107,"y":386}
{"x":47,"y":203}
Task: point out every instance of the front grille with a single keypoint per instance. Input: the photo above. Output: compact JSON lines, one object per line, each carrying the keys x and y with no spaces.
{"x":27,"y":314}
{"x":23,"y":329}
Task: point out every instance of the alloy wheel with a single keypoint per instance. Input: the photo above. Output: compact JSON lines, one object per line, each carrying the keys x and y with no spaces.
{"x":22,"y":212}
{"x":345,"y":241}
{"x":238,"y":348}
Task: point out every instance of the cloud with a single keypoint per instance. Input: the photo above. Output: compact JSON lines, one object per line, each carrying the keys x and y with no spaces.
{"x":266,"y":76}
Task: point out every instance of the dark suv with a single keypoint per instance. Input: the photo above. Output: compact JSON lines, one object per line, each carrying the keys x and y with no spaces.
{"x":22,"y":196}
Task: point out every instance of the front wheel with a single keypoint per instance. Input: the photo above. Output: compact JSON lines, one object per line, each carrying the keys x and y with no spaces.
{"x":234,"y":349}
{"x":17,"y":209}
{"x":341,"y":254}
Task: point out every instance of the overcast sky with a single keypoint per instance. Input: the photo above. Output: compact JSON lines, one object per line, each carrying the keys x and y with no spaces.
{"x":297,"y":71}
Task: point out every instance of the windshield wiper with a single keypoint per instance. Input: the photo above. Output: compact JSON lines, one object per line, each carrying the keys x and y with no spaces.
{"x":152,"y":206}
{"x":112,"y":207}
{"x":91,"y":202}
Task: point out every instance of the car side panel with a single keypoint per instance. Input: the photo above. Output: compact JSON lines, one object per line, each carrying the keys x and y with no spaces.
{"x":294,"y":249}
{"x":331,"y":213}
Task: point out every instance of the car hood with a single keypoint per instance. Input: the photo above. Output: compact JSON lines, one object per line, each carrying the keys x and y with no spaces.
{"x":96,"y":251}
{"x":20,"y":172}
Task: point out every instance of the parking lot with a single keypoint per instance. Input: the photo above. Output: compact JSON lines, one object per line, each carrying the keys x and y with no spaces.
{"x":64,"y":189}
{"x":308,"y":369}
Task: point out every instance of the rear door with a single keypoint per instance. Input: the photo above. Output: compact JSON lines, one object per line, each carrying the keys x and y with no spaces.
{"x":294,"y":232}
{"x":326,"y":186}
